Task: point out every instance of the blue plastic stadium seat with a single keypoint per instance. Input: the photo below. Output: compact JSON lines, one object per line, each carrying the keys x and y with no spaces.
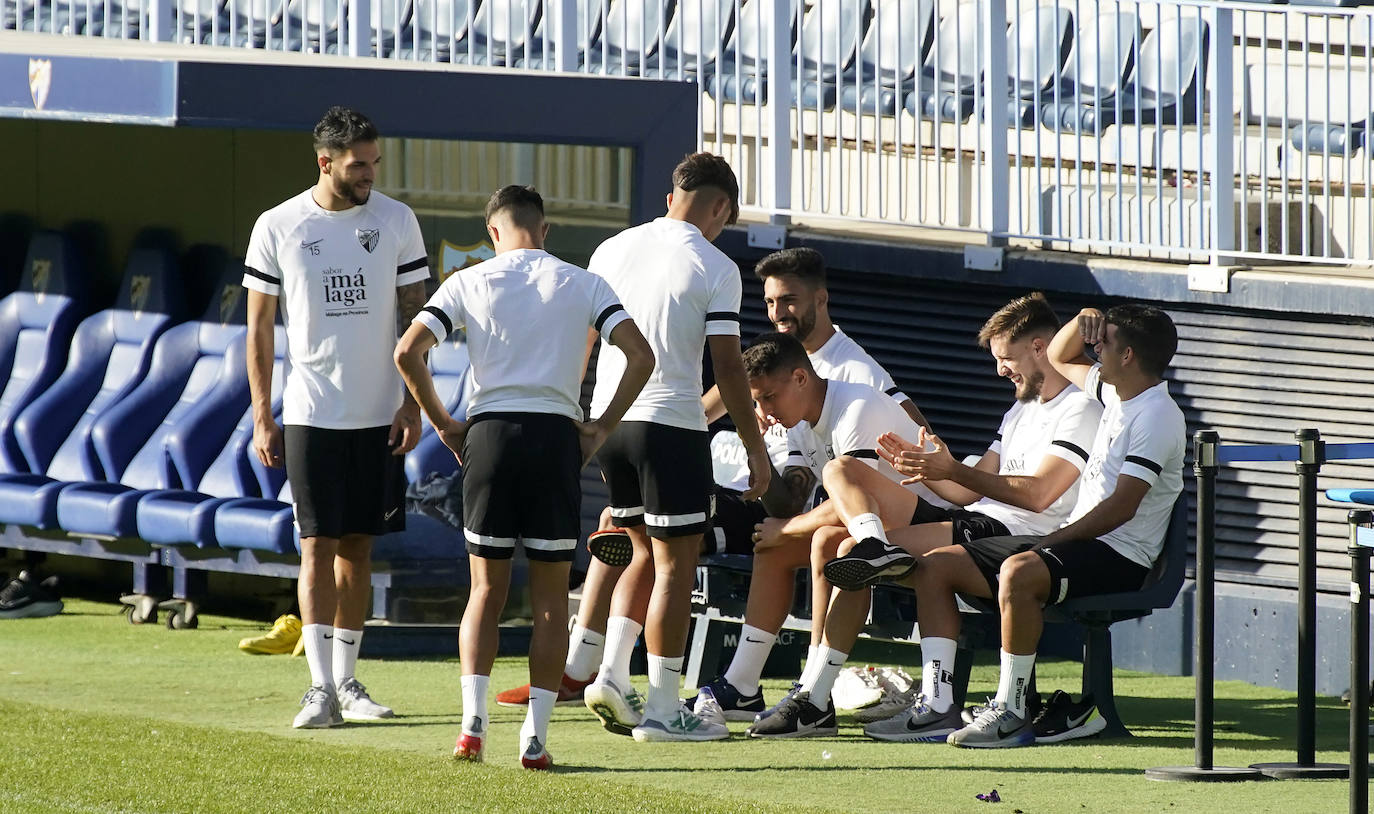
{"x":36,"y":327}
{"x":739,"y":74}
{"x":588,"y":32}
{"x":258,"y":524}
{"x":1102,"y":59}
{"x":196,"y":390}
{"x":437,"y":30}
{"x":898,"y":40}
{"x":1038,"y":42}
{"x":1173,"y":57}
{"x":696,"y":35}
{"x":449,"y":365}
{"x":944,"y":88}
{"x":501,"y":32}
{"x":1331,"y":139}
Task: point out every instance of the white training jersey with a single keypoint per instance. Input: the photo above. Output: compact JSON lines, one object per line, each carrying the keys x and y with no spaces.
{"x":679,"y":289}
{"x":526,"y":313}
{"x":1063,"y":427}
{"x":842,"y":359}
{"x":852,"y":418}
{"x":337,"y":274}
{"x":1144,"y":438}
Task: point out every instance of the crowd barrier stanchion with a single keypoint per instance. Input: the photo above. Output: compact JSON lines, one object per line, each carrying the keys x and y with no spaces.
{"x":1205,"y":464}
{"x":1361,"y":538}
{"x":1311,"y":456}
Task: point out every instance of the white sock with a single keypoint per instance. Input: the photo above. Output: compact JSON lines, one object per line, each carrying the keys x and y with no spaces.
{"x":584,"y":653}
{"x":830,"y":662}
{"x":475,"y":718}
{"x":747,"y":665}
{"x":937,"y":673}
{"x":537,"y":717}
{"x":808,"y":673}
{"x":347,"y":643}
{"x":621,"y":634}
{"x":319,"y":654}
{"x":665,"y":679}
{"x":1015,"y":680}
{"x":866,"y":525}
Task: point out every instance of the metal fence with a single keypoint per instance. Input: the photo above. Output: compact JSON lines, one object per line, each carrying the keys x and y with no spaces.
{"x":1177,"y":129}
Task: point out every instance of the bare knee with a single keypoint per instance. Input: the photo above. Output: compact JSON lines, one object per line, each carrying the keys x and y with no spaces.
{"x":1022,"y":578}
{"x":842,"y":470}
{"x":829,"y":542}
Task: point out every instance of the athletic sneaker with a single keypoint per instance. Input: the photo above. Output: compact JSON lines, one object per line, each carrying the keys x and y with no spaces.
{"x":319,"y":709}
{"x":898,"y":697}
{"x":357,"y":705}
{"x":867,"y":562}
{"x":469,"y":748}
{"x":620,"y":710}
{"x":997,"y":727}
{"x":705,"y":706}
{"x":793,"y":690}
{"x":1063,"y":720}
{"x":1033,"y":708}
{"x":681,"y":725}
{"x":734,"y":705}
{"x":536,"y":757}
{"x":570,"y":692}
{"x":611,"y":546}
{"x":281,"y":639}
{"x":797,"y":717}
{"x":24,"y":598}
{"x":919,"y":723}
{"x":856,"y":688}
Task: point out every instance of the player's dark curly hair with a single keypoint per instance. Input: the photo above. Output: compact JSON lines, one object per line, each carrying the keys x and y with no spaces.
{"x":807,"y":265}
{"x":698,"y":170}
{"x":341,"y":128}
{"x":522,"y":204}
{"x":774,"y":352}
{"x":1147,"y":331}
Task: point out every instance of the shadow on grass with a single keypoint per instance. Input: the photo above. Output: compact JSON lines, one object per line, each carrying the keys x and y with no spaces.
{"x":841,"y":767}
{"x":1265,"y":724}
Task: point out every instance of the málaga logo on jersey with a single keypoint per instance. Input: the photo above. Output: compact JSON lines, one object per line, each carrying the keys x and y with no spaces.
{"x":368,"y":238}
{"x":342,"y":290}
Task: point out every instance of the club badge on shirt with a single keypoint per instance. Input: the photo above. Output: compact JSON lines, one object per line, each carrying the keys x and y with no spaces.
{"x":368,"y":238}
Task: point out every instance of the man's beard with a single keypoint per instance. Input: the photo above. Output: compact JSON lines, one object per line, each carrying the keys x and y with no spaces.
{"x":1030,"y":387}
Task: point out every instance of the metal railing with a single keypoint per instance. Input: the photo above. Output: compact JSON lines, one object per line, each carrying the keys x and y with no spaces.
{"x":1178,"y":129}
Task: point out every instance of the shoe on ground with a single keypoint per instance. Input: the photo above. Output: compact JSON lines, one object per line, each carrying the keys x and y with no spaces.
{"x":797,"y":717}
{"x":280,"y":640}
{"x":869,"y":561}
{"x":1063,"y":719}
{"x":611,"y":546}
{"x":787,"y":696}
{"x":895,"y":701}
{"x":26,"y":598}
{"x":570,"y":692}
{"x":319,"y":709}
{"x":681,"y":725}
{"x":917,"y":724}
{"x":857,"y":688}
{"x":1034,"y":706}
{"x":357,"y":705}
{"x":536,"y":757}
{"x":997,"y":727}
{"x":619,"y":709}
{"x":469,"y":748}
{"x":705,"y":706}
{"x":734,"y":705}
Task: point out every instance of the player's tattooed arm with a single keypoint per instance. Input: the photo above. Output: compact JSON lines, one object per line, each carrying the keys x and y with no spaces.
{"x":409,"y":300}
{"x":800,"y":482}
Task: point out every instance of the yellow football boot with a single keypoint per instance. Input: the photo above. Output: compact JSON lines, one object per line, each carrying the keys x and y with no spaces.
{"x":281,"y":639}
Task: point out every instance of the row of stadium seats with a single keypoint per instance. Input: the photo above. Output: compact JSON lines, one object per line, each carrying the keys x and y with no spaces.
{"x":132,"y":424}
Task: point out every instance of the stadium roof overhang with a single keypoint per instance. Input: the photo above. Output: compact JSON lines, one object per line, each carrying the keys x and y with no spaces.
{"x":178,"y":86}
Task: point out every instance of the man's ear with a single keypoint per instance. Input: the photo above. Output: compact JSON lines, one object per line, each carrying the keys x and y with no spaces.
{"x":494,"y":232}
{"x":323,"y":161}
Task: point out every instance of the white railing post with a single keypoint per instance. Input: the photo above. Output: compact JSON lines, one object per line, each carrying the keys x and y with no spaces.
{"x":565,"y":43}
{"x":360,"y":28}
{"x":779,"y":12}
{"x":1223,"y":136}
{"x":160,"y":16}
{"x":996,"y":91}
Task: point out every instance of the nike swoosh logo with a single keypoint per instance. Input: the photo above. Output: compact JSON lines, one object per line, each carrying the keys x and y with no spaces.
{"x":833,"y":664}
{"x":671,"y":670}
{"x":588,"y":643}
{"x":391,"y":514}
{"x":476,"y":724}
{"x":329,"y":635}
{"x":1006,"y":733}
{"x":306,"y":245}
{"x":1074,"y":723}
{"x":755,"y":641}
{"x":348,"y":641}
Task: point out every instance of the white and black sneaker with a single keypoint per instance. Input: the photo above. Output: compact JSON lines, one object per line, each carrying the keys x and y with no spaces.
{"x":734,"y":705}
{"x":796,"y":717}
{"x":867,"y":562}
{"x":997,"y":727}
{"x":791,"y":691}
{"x":1064,"y":719}
{"x":26,"y":598}
{"x":919,"y":723}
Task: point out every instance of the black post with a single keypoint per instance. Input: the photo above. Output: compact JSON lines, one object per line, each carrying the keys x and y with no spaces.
{"x":1205,"y":443}
{"x":1205,"y":470}
{"x":1311,"y":456}
{"x":1359,"y":664}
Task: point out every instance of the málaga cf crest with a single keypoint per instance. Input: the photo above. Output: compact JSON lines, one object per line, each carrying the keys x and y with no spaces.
{"x":368,"y":238}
